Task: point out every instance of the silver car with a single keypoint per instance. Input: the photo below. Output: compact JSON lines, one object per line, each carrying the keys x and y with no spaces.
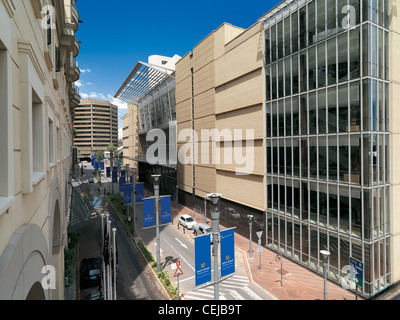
{"x":202,"y":228}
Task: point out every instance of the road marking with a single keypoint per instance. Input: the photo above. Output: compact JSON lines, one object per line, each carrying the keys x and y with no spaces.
{"x":236,"y":295}
{"x":251,"y":293}
{"x":183,"y":245}
{"x":179,"y":255}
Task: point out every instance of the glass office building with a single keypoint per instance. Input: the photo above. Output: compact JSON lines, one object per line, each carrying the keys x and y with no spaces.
{"x":328,"y":135}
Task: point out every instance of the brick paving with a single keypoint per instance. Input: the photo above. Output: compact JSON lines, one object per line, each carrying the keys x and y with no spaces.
{"x":299,"y":283}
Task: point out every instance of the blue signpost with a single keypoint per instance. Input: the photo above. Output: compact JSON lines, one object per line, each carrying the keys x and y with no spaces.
{"x":108,"y":172}
{"x":121,"y":183}
{"x":202,"y":246}
{"x":357,"y":274}
{"x":139,"y":191}
{"x":115,"y":175}
{"x":127,"y":193}
{"x":148,"y":212}
{"x":227,"y":252}
{"x":165,"y":209}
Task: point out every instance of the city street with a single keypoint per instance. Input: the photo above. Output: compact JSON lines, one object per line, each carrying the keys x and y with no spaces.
{"x":135,"y":280}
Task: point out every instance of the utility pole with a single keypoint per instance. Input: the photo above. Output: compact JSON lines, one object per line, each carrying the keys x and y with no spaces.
{"x":156,"y":178}
{"x":215,"y":215}
{"x":250,"y":227}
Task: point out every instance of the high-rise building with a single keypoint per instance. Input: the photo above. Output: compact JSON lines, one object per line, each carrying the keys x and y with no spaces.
{"x":95,"y":126}
{"x":37,"y":74}
{"x":331,"y":136}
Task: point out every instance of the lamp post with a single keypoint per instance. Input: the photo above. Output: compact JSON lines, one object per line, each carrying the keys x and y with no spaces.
{"x":250,"y":227}
{"x":134,"y":198}
{"x":215,"y":215}
{"x":325,"y":256}
{"x":156,"y":178}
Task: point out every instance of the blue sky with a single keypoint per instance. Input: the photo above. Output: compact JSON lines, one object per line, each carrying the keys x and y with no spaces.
{"x":115,"y":35}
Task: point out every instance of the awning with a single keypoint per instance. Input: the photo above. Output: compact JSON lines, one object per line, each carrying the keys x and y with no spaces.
{"x":143,"y":78}
{"x":144,"y":160}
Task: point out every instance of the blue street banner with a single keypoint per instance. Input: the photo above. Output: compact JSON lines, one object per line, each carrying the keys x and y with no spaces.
{"x":139,"y":191}
{"x":131,"y":179}
{"x":127,"y":193}
{"x":122,"y":173}
{"x":121,"y":183}
{"x":115,"y":175}
{"x":165,"y":209}
{"x":108,"y":172}
{"x":148,"y":212}
{"x":227,"y":252}
{"x":102,"y":165}
{"x":202,"y":251}
{"x":95,"y":165}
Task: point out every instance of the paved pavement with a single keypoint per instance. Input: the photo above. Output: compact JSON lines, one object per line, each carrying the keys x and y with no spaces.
{"x":299,"y":283}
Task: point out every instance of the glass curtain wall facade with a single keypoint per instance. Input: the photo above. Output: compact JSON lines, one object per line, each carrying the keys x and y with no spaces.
{"x":327,"y":139}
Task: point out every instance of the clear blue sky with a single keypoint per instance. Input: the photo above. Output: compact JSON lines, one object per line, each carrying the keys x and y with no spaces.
{"x":115,"y":35}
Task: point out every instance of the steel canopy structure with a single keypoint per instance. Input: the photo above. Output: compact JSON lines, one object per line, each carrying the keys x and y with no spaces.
{"x":141,"y":81}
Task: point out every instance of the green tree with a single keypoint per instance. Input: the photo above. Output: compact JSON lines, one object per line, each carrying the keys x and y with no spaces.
{"x":99,"y":155}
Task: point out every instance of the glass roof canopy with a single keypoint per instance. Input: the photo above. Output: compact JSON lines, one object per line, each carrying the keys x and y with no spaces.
{"x":142,"y":80}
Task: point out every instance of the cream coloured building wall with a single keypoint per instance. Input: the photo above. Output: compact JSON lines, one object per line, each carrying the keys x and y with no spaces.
{"x":226,"y":70}
{"x":36,"y":96}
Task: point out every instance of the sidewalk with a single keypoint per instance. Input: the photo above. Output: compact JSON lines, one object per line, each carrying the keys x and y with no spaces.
{"x":299,"y":283}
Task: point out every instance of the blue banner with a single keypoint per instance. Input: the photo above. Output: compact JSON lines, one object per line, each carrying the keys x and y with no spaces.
{"x":122,"y":174}
{"x":108,"y":172}
{"x":121,"y":183}
{"x":95,"y":165}
{"x":102,"y":165}
{"x":139,"y":191}
{"x":165,"y":209}
{"x":202,"y":251}
{"x":127,"y":193}
{"x":115,"y":175}
{"x":148,"y":212}
{"x":227,"y":252}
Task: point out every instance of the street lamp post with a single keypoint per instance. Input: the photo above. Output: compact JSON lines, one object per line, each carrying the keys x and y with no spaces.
{"x":325,"y":255}
{"x":134,"y":198}
{"x":156,"y":178}
{"x":215,"y":215}
{"x":250,"y":227}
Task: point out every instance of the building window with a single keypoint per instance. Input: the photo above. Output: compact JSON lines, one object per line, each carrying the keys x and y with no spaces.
{"x":51,"y":141}
{"x":37,"y":135}
{"x":6,"y":139}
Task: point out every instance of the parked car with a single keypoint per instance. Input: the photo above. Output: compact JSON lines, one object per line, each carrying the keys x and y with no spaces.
{"x":202,"y":228}
{"x":187,"y":221}
{"x":91,"y":180}
{"x":90,"y":272}
{"x":94,"y":295}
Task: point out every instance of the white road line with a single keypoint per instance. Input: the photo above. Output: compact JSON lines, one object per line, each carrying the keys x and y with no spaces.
{"x":179,"y":255}
{"x":251,"y":293}
{"x":183,"y":245}
{"x":236,"y":295}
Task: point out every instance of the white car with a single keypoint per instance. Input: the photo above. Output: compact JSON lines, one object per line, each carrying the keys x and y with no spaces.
{"x":187,"y":221}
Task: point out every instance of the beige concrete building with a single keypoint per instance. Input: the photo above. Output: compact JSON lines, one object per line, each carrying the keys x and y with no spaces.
{"x":37,"y":72}
{"x":219,"y":86}
{"x":95,"y":125}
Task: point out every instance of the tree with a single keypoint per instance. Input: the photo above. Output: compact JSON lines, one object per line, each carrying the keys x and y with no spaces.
{"x":99,"y":155}
{"x":112,"y":148}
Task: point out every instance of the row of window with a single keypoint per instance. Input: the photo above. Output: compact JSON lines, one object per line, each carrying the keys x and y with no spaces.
{"x":319,"y":20}
{"x":351,"y":107}
{"x":343,"y":158}
{"x":303,"y":243}
{"x":334,"y":61}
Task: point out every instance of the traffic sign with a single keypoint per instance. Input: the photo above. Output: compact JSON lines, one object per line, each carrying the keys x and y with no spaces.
{"x":259,"y":234}
{"x":357,"y":272}
{"x":278,"y":258}
{"x":178,"y":272}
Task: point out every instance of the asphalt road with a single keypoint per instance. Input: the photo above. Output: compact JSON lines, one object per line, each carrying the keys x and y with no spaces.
{"x":135,"y":280}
